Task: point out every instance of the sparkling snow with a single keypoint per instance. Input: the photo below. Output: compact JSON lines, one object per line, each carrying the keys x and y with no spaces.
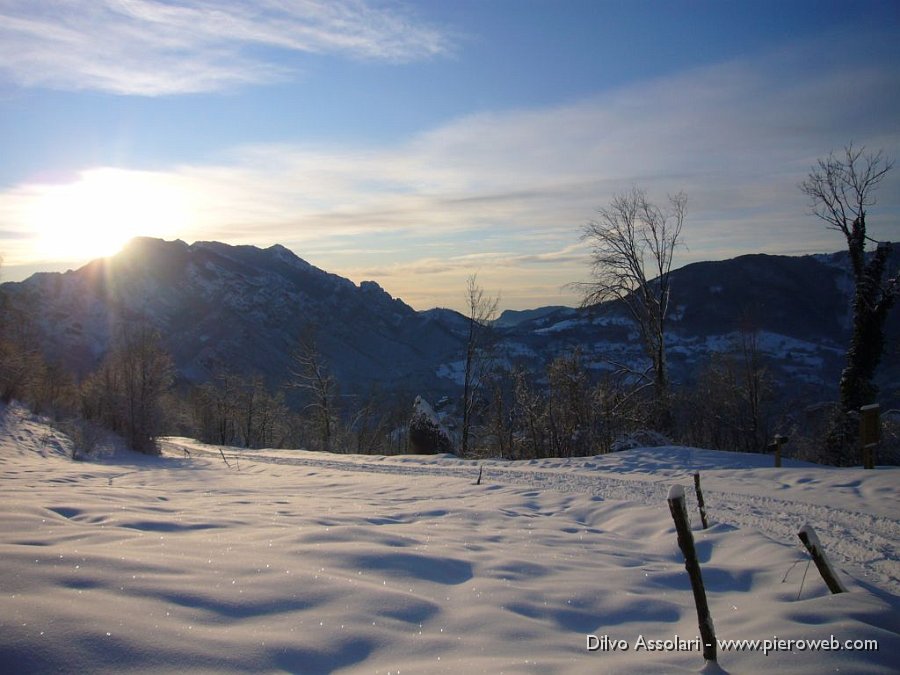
{"x":313,"y":563}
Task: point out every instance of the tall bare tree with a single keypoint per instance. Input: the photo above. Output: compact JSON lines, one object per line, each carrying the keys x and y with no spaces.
{"x":310,"y":374}
{"x":529,"y":414}
{"x":633,"y":242}
{"x":756,"y":388}
{"x":216,"y":408}
{"x":482,"y":310}
{"x":841,"y":188}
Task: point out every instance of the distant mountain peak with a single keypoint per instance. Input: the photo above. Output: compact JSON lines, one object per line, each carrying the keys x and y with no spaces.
{"x":141,"y":242}
{"x":232,"y":307}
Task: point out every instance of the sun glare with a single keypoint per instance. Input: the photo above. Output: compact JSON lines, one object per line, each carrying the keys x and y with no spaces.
{"x":96,"y":215}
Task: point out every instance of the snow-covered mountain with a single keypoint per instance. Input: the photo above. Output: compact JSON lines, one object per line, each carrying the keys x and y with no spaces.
{"x":242,"y":308}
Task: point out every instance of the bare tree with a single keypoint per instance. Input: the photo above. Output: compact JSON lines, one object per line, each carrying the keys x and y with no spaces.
{"x":567,"y":401}
{"x":216,"y":408}
{"x":311,"y":375}
{"x":728,"y":404}
{"x":529,"y":415}
{"x":257,"y":413}
{"x":632,"y":247}
{"x":482,"y":311}
{"x":840,"y":189}
{"x":756,"y":390}
{"x":367,"y":423}
{"x":500,"y":407}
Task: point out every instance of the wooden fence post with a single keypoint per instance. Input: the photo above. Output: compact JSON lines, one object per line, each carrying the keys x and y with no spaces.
{"x":775,"y":446}
{"x":809,"y":538}
{"x":700,"y":504}
{"x":869,"y":433}
{"x":692,"y":565}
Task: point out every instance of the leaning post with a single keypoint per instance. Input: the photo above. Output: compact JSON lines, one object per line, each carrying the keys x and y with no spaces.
{"x":692,"y":565}
{"x":809,"y":538}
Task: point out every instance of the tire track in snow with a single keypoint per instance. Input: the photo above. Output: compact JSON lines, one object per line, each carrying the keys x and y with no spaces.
{"x":865,"y":543}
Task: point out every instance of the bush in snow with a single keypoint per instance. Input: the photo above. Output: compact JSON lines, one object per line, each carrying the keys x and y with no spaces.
{"x":639,"y":439}
{"x":426,"y":433}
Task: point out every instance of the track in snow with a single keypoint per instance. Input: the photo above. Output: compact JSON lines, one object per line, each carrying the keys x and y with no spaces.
{"x":866,"y":544}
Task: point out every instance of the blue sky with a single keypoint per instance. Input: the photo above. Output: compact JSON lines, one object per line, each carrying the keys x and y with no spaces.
{"x":416,"y":143}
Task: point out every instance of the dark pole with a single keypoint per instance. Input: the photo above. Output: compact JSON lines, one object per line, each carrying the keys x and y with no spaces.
{"x":692,"y":565}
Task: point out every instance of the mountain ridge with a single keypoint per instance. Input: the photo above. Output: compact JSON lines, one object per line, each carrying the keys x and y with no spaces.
{"x":242,"y":308}
{"x":221,"y":306}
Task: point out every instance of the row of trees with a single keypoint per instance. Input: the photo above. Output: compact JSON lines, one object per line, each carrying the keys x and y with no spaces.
{"x":124,"y":395}
{"x":573,"y":407}
{"x":238,"y":411}
{"x":244,"y":411}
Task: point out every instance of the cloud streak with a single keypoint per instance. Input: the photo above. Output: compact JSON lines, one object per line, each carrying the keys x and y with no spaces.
{"x":152,"y":48}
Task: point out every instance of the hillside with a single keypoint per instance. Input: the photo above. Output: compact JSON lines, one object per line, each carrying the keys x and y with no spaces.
{"x":798,"y":307}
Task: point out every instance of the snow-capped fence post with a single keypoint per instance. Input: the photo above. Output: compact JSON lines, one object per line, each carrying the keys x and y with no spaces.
{"x":809,"y":538}
{"x":692,"y":565}
{"x":700,"y":503}
{"x":869,"y":433}
{"x":775,"y":446}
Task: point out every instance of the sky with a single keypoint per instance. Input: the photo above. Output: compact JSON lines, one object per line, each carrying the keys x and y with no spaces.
{"x":419,"y":143}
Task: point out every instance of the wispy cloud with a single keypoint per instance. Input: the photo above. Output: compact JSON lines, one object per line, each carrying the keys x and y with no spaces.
{"x":472,"y":262}
{"x":506,"y":193}
{"x":737,"y":137}
{"x":152,"y":47}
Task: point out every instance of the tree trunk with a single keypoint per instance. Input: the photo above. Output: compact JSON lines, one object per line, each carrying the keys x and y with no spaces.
{"x":870,"y":309}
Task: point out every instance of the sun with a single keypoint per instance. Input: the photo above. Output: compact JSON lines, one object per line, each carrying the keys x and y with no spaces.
{"x":97,"y":214}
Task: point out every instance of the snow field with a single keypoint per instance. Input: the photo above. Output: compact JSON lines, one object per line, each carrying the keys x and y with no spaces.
{"x":309,"y":563}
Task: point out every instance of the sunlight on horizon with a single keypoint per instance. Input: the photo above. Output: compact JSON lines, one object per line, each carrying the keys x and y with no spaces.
{"x":99,"y":213}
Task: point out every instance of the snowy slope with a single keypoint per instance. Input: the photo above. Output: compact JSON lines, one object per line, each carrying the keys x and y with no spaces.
{"x":241,"y":308}
{"x":311,"y":563}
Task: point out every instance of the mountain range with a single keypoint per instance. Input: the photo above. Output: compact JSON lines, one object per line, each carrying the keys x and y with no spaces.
{"x":242,"y":308}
